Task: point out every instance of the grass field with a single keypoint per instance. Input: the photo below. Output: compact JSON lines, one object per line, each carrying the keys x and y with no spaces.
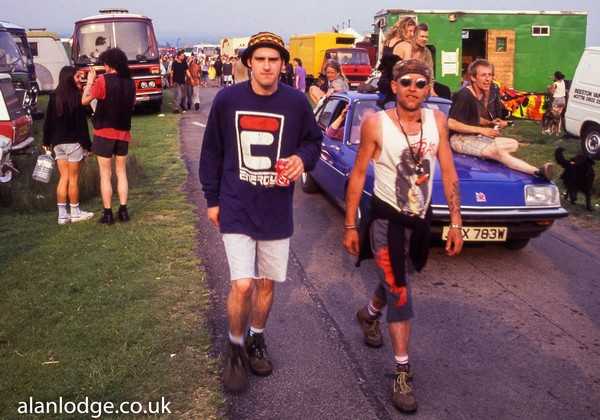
{"x":537,"y":148}
{"x":112,"y":313}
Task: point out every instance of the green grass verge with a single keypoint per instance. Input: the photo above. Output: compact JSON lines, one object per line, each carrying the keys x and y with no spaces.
{"x":537,"y":148}
{"x":118,"y":310}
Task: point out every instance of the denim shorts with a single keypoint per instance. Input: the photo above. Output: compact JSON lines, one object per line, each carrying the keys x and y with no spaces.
{"x":71,"y":152}
{"x":398,"y":300}
{"x":251,"y":259}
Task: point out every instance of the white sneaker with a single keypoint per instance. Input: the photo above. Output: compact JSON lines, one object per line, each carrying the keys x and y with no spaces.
{"x":64,"y":220}
{"x":83,"y":215}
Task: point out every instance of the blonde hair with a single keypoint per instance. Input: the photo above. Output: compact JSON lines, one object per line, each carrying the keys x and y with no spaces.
{"x":399,"y":28}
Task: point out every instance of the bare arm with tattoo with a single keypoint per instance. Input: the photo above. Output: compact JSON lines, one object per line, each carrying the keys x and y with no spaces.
{"x":451,"y":187}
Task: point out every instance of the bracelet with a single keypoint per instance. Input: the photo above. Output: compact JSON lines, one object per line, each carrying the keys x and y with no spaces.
{"x":454,"y":226}
{"x":348,"y":227}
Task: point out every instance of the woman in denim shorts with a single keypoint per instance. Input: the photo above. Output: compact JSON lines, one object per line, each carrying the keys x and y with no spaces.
{"x":66,"y":133}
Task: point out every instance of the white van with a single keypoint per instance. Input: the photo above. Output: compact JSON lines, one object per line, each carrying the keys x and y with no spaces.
{"x":582,"y":117}
{"x":49,"y":57}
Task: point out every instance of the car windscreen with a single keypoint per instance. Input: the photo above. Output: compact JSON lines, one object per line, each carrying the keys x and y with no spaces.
{"x":135,"y":38}
{"x":362,"y":110}
{"x":351,"y":57}
{"x":11,"y":57}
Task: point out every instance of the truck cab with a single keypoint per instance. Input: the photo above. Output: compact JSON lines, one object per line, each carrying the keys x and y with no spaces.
{"x":134,"y":35}
{"x":19,"y":64}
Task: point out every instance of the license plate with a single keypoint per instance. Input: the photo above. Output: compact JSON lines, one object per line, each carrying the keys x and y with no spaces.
{"x":142,"y":98}
{"x":480,"y":233}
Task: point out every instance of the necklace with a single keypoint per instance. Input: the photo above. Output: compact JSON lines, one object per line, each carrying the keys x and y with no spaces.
{"x":417,"y":159}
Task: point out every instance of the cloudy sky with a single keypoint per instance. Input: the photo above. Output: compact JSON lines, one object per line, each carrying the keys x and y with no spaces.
{"x":210,"y":20}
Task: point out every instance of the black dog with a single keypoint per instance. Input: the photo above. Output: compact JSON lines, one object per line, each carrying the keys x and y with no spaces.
{"x":578,"y":176}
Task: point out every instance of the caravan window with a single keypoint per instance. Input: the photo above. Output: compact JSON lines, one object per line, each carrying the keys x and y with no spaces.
{"x":537,"y":30}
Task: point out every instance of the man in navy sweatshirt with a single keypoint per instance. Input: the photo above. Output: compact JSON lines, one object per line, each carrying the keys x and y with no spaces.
{"x":251,"y":127}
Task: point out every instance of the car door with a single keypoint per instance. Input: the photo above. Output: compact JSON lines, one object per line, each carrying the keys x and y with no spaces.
{"x":332,"y":170}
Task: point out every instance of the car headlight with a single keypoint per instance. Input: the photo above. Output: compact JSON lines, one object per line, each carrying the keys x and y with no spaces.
{"x":26,"y":99}
{"x":151,"y":84}
{"x":144,"y":85}
{"x":542,"y":195}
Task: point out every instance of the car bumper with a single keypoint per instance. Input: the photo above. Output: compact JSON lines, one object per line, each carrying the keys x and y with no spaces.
{"x":522,"y":223}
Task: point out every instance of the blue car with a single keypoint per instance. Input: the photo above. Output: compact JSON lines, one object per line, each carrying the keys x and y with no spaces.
{"x":497,"y":204}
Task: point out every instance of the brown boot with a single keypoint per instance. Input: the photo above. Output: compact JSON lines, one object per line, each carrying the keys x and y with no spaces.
{"x":370,"y":328}
{"x":402,"y":393}
{"x":260,"y":364}
{"x":235,"y":372}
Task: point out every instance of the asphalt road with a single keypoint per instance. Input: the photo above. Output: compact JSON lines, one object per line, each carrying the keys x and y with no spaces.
{"x":497,"y":334}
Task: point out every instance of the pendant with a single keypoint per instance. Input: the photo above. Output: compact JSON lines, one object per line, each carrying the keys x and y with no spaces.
{"x":419,"y":169}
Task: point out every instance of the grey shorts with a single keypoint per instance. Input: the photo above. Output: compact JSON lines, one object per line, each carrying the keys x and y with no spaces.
{"x":470,"y":144}
{"x":71,"y":152}
{"x":249,"y":258}
{"x":398,"y":301}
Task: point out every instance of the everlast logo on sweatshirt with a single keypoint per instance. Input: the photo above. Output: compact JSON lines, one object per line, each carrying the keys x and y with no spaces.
{"x":259,"y":146}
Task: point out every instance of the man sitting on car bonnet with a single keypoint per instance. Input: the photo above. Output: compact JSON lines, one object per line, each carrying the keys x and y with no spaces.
{"x":474,"y":131}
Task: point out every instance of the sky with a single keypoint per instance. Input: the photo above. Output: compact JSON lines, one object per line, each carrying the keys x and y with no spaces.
{"x":189,"y":22}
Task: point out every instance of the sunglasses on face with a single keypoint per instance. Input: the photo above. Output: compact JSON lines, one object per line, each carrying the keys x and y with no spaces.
{"x":407,"y":81}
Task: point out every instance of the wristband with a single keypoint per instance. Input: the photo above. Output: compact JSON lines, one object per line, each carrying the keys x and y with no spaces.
{"x":348,"y":227}
{"x":455,"y":226}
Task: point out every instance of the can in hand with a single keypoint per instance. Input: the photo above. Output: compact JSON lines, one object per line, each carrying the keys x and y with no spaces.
{"x":281,"y":180}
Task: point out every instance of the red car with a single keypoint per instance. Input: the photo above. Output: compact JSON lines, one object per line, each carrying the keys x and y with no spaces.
{"x":15,"y":127}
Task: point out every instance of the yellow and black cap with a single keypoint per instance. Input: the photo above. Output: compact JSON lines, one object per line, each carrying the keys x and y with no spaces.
{"x":265,"y":40}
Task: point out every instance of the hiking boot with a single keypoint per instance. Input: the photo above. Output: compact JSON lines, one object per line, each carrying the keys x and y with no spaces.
{"x":122,"y":214}
{"x":370,"y":328}
{"x":260,"y":364}
{"x":402,"y":394}
{"x":81,"y":216}
{"x":546,"y":171}
{"x":107,"y":218}
{"x":235,"y":372}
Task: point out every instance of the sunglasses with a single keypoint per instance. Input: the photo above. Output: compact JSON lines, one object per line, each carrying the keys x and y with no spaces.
{"x":407,"y":81}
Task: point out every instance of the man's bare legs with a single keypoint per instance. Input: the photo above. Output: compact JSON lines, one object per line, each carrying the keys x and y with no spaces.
{"x":262,"y":300}
{"x":249,"y":300}
{"x":501,"y":151}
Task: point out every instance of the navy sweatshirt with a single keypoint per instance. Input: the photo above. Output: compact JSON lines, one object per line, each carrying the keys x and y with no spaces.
{"x":245,"y":135}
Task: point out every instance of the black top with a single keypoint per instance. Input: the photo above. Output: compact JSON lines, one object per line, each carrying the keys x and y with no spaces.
{"x":218,"y":67}
{"x":227,"y":69}
{"x":68,"y":128}
{"x":179,"y":71}
{"x":465,"y":108}
{"x":115,"y":110}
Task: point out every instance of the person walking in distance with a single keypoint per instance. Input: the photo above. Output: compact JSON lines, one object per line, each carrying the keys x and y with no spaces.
{"x":261,"y":135}
{"x":115,"y":93}
{"x":66,"y":132}
{"x":178,"y":76}
{"x":403,"y":143}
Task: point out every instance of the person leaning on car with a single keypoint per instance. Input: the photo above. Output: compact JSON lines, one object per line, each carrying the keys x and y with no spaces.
{"x":474,"y":131}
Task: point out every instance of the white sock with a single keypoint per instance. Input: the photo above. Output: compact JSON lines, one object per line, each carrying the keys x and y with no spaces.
{"x":62,"y":210}
{"x":254,"y":330}
{"x":401,"y":360}
{"x":75,"y":209}
{"x":238,"y":340}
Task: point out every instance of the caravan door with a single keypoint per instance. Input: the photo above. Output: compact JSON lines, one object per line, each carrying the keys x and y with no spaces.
{"x":501,"y":53}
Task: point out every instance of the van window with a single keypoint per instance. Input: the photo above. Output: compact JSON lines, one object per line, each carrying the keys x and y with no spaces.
{"x":34,"y":48}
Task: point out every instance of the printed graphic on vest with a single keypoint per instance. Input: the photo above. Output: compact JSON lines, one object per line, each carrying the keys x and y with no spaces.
{"x":412,"y":197}
{"x":259,"y":146}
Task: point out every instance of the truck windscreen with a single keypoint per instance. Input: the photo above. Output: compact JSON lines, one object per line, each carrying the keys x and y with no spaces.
{"x":135,"y":38}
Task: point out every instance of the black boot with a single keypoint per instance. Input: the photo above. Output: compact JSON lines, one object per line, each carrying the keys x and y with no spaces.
{"x":122,"y":214}
{"x":107,"y":217}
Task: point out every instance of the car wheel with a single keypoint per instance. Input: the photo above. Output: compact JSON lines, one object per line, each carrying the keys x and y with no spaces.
{"x":6,"y":176}
{"x":516,"y":244}
{"x":308,"y":183}
{"x":590,"y":142}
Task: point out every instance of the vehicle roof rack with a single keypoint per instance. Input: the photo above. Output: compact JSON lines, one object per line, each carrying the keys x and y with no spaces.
{"x":112,"y":11}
